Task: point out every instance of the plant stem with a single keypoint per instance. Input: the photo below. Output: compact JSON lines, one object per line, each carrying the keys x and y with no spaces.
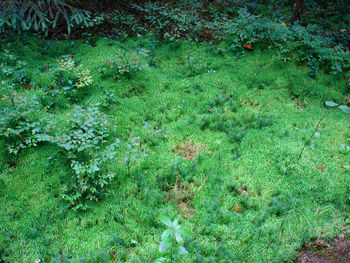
{"x":308,"y":141}
{"x":128,"y":165}
{"x":172,"y":246}
{"x":20,"y":136}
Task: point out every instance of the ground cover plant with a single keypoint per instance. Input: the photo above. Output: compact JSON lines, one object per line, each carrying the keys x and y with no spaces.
{"x":185,"y":131}
{"x":216,"y":149}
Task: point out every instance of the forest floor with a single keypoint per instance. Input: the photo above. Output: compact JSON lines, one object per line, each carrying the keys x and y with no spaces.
{"x":223,"y":133}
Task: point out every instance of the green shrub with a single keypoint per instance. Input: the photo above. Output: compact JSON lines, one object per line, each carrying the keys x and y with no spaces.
{"x":13,"y":69}
{"x":21,"y":123}
{"x":84,"y":146}
{"x":124,"y":63}
{"x":69,"y":80}
{"x":172,"y":247}
{"x":303,"y":44}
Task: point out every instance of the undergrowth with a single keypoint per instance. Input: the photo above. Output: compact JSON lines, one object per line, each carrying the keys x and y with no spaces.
{"x":205,"y":137}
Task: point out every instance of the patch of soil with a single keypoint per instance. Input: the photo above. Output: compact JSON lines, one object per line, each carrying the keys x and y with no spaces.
{"x":321,"y":251}
{"x":182,"y":196}
{"x":188,"y":150}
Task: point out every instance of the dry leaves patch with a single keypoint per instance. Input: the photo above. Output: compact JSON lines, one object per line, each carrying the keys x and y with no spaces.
{"x":182,"y":197}
{"x":188,"y":150}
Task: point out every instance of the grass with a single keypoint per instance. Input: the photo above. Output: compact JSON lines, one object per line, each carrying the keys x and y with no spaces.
{"x":239,"y":188}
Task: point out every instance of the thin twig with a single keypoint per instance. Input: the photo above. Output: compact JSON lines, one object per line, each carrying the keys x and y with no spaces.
{"x":313,"y":134}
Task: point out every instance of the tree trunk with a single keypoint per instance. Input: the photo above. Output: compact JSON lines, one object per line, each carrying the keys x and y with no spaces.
{"x":297,"y":10}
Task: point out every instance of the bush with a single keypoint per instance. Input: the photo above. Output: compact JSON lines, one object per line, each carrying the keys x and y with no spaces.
{"x":21,"y":123}
{"x":124,"y":63}
{"x":303,"y":44}
{"x":13,"y":69}
{"x":69,"y":79}
{"x":84,"y":146}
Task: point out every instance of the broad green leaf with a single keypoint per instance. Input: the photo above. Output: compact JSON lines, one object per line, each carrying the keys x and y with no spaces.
{"x":344,"y":148}
{"x":178,"y":237}
{"x":164,"y":247}
{"x":182,"y":250}
{"x":160,"y":260}
{"x":166,"y":234}
{"x":165,"y":220}
{"x":331,"y":103}
{"x":345,"y":109}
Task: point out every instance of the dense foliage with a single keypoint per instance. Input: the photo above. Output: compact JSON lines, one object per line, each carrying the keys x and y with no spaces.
{"x":177,"y":131}
{"x":39,"y":16}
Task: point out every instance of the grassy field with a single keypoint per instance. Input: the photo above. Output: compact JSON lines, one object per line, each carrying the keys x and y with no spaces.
{"x":226,"y":131}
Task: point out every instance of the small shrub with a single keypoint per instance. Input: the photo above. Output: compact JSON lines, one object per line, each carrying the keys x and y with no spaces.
{"x":21,"y":123}
{"x":84,"y":147}
{"x":195,"y":65}
{"x":13,"y":69}
{"x":153,"y":135}
{"x":124,"y":63}
{"x":69,"y":79}
{"x":133,"y":153}
{"x":172,"y":245}
{"x":108,"y":99}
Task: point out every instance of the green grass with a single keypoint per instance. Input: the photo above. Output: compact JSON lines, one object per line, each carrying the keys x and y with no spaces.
{"x":244,"y":197}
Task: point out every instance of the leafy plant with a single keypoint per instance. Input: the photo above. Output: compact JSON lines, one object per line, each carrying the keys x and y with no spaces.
{"x":171,"y":246}
{"x":124,"y":63}
{"x":153,"y":135}
{"x":343,"y":108}
{"x":84,"y":147}
{"x":13,"y":69}
{"x":108,"y":99}
{"x":20,"y":122}
{"x":69,"y":79}
{"x":39,"y":16}
{"x":195,"y":65}
{"x":132,"y":153}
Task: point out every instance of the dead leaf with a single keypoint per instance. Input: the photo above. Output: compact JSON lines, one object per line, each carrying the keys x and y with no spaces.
{"x":237,"y":208}
{"x":320,"y":168}
{"x":27,"y":87}
{"x":248,"y":47}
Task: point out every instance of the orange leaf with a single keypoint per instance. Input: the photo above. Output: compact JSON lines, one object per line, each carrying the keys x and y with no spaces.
{"x":27,"y":87}
{"x":248,"y":47}
{"x":320,"y":168}
{"x":237,"y":208}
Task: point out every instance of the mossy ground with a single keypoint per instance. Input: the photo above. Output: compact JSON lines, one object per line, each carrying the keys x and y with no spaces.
{"x":243,"y":194}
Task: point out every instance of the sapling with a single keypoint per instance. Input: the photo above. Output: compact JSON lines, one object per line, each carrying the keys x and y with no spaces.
{"x":172,"y":245}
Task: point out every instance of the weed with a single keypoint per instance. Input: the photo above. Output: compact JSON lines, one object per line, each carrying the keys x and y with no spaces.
{"x":124,"y":63}
{"x":88,"y":131}
{"x":171,"y":246}
{"x":20,"y":123}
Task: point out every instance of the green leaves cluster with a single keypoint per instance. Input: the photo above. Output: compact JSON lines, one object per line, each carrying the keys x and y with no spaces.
{"x":13,"y":69}
{"x":343,"y":108}
{"x":171,"y":246}
{"x":69,"y":80}
{"x":124,"y":63}
{"x":39,"y":16}
{"x":20,"y":122}
{"x":84,"y":145}
{"x":304,"y":44}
